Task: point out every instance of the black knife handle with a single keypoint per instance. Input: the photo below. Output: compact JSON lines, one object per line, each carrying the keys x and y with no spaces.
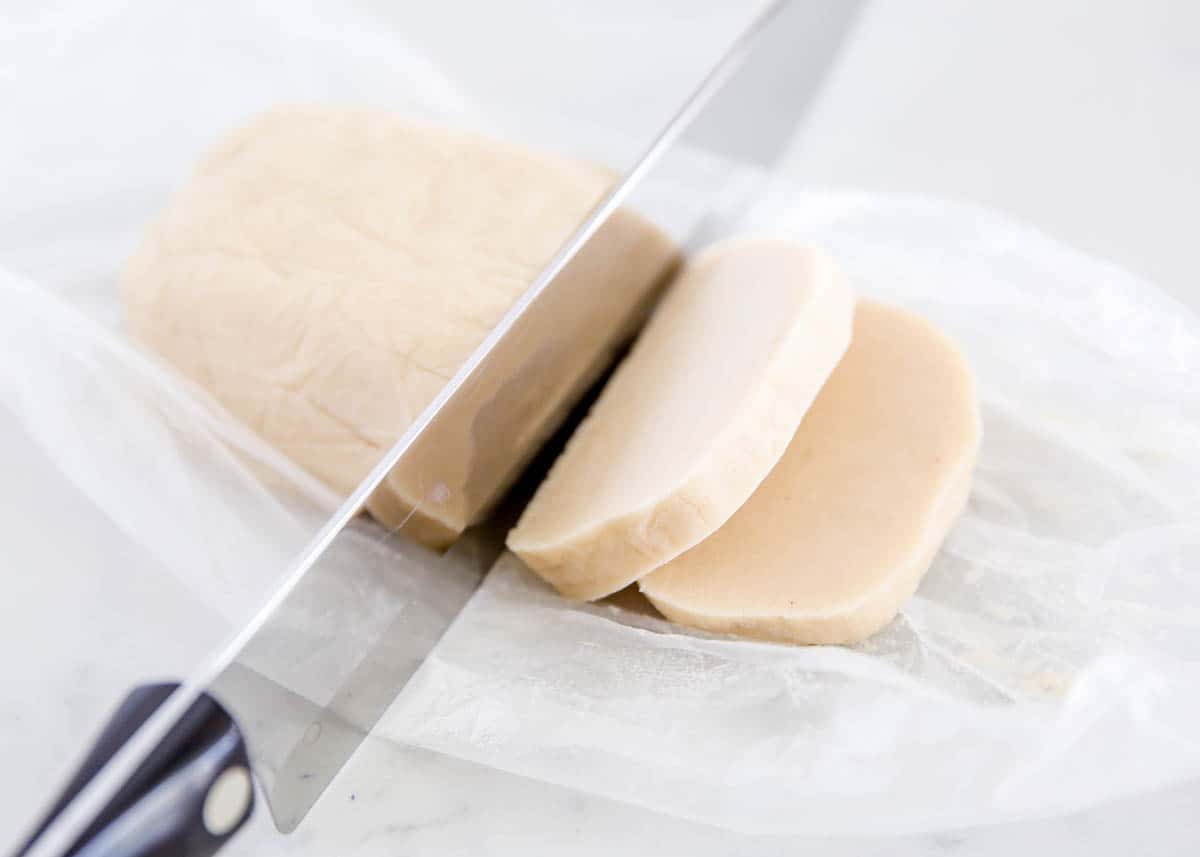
{"x":186,"y":798}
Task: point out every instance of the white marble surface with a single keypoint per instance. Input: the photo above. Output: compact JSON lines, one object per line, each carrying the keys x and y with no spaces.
{"x":391,"y":800}
{"x":1076,"y":115}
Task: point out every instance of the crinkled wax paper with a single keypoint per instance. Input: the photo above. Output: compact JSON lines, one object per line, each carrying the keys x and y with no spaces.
{"x":1050,"y":660}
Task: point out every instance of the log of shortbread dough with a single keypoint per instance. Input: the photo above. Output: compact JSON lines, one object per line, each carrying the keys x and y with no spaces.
{"x":693,"y":419}
{"x":838,"y":536}
{"x":326,"y":270}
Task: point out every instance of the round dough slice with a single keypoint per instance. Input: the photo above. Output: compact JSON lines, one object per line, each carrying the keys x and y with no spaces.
{"x":693,"y":419}
{"x":838,"y":536}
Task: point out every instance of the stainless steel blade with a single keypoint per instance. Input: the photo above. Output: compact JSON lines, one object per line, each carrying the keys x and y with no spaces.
{"x":304,"y":697}
{"x":757,"y":112}
{"x":311,"y":683}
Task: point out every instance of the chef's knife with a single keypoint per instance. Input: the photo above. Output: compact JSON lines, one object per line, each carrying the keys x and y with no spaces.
{"x":170,"y":774}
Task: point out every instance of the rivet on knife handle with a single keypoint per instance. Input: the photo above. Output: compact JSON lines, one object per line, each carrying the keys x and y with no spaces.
{"x":186,"y":799}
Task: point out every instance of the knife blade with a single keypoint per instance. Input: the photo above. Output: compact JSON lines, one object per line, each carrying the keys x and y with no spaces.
{"x":305,"y":714}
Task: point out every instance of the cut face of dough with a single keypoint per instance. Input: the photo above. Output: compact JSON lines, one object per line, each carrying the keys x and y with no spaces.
{"x":693,"y":419}
{"x":326,"y":270}
{"x":838,"y":536}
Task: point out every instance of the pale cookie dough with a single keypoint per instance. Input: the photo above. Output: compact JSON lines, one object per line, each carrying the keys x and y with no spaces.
{"x":693,"y":419}
{"x":838,"y":536}
{"x":326,"y":270}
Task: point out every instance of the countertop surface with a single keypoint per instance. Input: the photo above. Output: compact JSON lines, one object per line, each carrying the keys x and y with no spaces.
{"x":423,"y":803}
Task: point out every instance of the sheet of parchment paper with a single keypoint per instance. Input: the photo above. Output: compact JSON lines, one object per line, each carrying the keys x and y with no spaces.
{"x":1049,"y":660}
